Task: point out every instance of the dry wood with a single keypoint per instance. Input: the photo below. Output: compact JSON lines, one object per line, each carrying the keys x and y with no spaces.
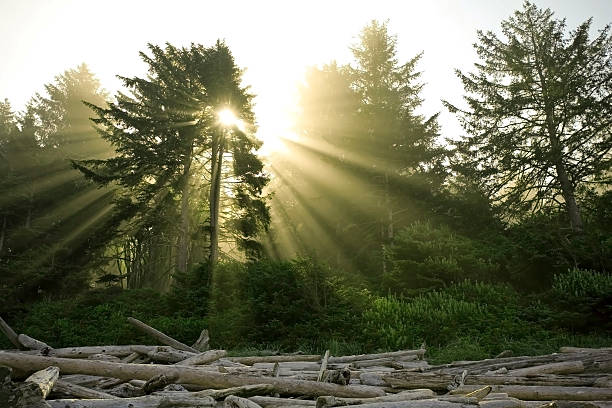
{"x":361,"y":357}
{"x":584,"y":350}
{"x":233,"y":401}
{"x":127,"y":390}
{"x":10,"y":333}
{"x":206,"y":357}
{"x":566,"y":367}
{"x":149,"y":401}
{"x":131,"y":358}
{"x":440,"y":381}
{"x":323,"y":366}
{"x":31,"y":343}
{"x":184,"y":374}
{"x":201,"y":343}
{"x":161,"y":337}
{"x":44,"y":380}
{"x":545,"y":393}
{"x":275,"y":359}
{"x":84,"y":352}
{"x":158,"y":382}
{"x":163,"y":354}
{"x":275,"y":402}
{"x":243,"y":391}
{"x":77,"y":391}
{"x":423,"y":403}
{"x":328,"y":401}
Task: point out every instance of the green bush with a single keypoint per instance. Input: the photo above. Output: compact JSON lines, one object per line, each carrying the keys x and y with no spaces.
{"x":425,"y":256}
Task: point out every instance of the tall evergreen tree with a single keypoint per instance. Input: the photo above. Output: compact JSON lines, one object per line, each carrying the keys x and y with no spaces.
{"x":174,"y":156}
{"x":539,"y":114}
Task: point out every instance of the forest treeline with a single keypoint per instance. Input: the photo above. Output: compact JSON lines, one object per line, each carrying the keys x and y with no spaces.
{"x":370,"y":224}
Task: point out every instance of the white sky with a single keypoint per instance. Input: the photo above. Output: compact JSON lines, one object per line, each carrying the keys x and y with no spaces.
{"x":274,"y":40}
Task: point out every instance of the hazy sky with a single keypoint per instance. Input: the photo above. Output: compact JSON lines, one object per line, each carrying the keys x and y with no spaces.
{"x":274,"y":40}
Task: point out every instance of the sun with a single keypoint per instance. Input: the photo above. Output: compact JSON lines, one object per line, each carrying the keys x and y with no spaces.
{"x":228,"y":118}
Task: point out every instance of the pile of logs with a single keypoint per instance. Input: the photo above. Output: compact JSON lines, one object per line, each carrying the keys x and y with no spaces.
{"x":177,"y":375}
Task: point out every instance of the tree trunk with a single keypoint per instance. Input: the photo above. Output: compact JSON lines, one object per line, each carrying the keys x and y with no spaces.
{"x":215,"y":192}
{"x":570,"y":199}
{"x":183,"y":239}
{"x":159,"y":336}
{"x":2,"y":233}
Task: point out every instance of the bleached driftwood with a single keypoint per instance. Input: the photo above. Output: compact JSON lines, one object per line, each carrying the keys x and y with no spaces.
{"x":163,"y":354}
{"x":362,"y":357}
{"x":274,"y":402}
{"x":31,"y":343}
{"x":161,"y":337}
{"x":184,"y":374}
{"x":329,"y":401}
{"x":545,"y":393}
{"x":233,"y":401}
{"x":10,"y":333}
{"x":566,"y":367}
{"x":201,"y":343}
{"x":323,"y":366}
{"x":275,"y":359}
{"x":149,"y":401}
{"x":243,"y":391}
{"x":77,"y":391}
{"x":206,"y":357}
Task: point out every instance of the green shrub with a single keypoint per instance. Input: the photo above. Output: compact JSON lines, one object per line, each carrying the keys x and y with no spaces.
{"x":425,"y":256}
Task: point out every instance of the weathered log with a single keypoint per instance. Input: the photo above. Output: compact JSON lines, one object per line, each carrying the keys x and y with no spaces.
{"x":31,"y":343}
{"x":329,"y":401}
{"x":206,"y":357}
{"x":593,"y":361}
{"x":423,"y":403}
{"x":233,"y":401}
{"x":566,"y":367}
{"x":585,"y":350}
{"x":161,"y":337}
{"x":201,"y":343}
{"x":342,"y":376}
{"x":103,"y":357}
{"x":323,"y":366}
{"x":86,"y":351}
{"x":440,"y":381}
{"x":362,"y":357}
{"x":10,"y":333}
{"x":274,"y":402}
{"x":244,"y":391}
{"x":127,"y":390}
{"x":44,"y":380}
{"x":149,"y":401}
{"x":158,"y":382}
{"x":274,"y":359}
{"x":68,"y":389}
{"x":131,"y":358}
{"x":545,"y":393}
{"x":188,"y":375}
{"x":163,"y":354}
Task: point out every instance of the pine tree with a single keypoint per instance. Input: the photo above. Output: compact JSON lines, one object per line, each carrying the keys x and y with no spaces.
{"x":174,"y":156}
{"x":539,"y":114}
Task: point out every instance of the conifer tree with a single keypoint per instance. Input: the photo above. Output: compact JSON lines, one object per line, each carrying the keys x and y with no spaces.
{"x":539,"y":114}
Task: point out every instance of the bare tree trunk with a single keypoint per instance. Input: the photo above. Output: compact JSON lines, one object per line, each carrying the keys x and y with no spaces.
{"x":183,"y":239}
{"x":570,"y":199}
{"x":2,"y":233}
{"x":215,"y":192}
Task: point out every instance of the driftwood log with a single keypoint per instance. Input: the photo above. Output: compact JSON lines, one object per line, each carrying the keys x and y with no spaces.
{"x":184,"y":374}
{"x":161,"y":337}
{"x":545,"y":393}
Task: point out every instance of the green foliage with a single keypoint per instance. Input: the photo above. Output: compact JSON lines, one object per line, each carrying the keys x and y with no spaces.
{"x":422,"y":255}
{"x":289,"y":304}
{"x":583,"y":300}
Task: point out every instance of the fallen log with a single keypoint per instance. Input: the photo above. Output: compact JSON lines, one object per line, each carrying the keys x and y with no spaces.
{"x":566,"y":367}
{"x":274,"y":359}
{"x":86,"y":351}
{"x":233,"y":401}
{"x":201,"y":343}
{"x":206,"y":357}
{"x":329,"y":401}
{"x":68,"y":389}
{"x":29,"y":394}
{"x":362,"y":357}
{"x":243,"y":391}
{"x":274,"y":402}
{"x":585,"y":350}
{"x":161,"y":337}
{"x":323,"y":366}
{"x":31,"y":343}
{"x":184,"y":374}
{"x":441,"y":381}
{"x":423,"y":403}
{"x":544,"y":393}
{"x":163,"y":354}
{"x":10,"y":333}
{"x":149,"y":401}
